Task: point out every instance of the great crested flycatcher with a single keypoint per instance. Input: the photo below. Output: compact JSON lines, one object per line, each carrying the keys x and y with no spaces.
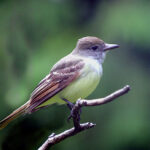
{"x":74,"y":76}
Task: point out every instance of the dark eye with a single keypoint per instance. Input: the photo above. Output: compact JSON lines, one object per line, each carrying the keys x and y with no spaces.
{"x":94,"y":48}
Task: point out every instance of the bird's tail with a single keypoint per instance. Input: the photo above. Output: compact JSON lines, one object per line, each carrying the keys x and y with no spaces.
{"x":13,"y":115}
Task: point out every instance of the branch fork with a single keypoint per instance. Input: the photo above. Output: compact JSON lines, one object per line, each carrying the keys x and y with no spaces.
{"x":75,"y":112}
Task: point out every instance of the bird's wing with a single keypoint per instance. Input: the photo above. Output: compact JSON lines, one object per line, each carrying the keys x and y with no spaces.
{"x":61,"y":75}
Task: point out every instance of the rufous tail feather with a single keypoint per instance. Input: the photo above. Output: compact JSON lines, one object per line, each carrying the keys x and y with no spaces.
{"x":13,"y":115}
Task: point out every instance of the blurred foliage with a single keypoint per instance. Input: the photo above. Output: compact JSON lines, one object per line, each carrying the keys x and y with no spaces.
{"x":34,"y":34}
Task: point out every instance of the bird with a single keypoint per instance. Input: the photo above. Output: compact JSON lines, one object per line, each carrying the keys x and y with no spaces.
{"x":72,"y":77}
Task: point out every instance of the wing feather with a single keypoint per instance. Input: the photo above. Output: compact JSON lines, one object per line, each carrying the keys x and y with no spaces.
{"x":61,"y":75}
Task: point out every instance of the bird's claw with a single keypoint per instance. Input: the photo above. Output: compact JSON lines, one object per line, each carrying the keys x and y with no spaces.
{"x":70,"y":106}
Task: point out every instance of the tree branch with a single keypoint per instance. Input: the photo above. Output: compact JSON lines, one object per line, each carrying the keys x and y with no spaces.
{"x":53,"y":139}
{"x":75,"y":112}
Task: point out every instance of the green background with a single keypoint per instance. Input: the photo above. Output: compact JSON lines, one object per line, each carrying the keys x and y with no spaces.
{"x":34,"y":34}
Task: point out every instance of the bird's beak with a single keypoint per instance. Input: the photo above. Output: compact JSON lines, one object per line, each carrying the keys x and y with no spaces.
{"x":110,"y":46}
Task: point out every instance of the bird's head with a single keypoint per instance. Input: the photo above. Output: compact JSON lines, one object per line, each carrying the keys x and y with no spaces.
{"x":93,"y":47}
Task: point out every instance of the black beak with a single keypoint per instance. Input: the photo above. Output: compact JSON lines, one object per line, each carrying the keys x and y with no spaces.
{"x":110,"y":46}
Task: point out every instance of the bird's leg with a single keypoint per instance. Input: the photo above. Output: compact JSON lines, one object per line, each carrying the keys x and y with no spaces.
{"x":70,"y":106}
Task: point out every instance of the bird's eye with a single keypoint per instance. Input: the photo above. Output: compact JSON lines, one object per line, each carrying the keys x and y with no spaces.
{"x":94,"y":48}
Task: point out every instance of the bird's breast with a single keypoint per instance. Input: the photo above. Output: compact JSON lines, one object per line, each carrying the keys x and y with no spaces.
{"x":86,"y":83}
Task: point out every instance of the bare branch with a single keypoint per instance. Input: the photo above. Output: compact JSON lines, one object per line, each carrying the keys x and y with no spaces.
{"x":54,"y":139}
{"x":95,"y":102}
{"x":57,"y":138}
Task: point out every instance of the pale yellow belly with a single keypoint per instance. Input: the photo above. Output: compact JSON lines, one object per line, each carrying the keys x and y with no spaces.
{"x":81,"y":88}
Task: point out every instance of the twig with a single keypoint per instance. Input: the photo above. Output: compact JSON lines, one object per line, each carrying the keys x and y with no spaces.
{"x":57,"y":138}
{"x":54,"y":139}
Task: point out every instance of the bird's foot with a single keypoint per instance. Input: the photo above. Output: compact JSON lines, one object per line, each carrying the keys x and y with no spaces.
{"x":71,"y":116}
{"x":70,"y":106}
